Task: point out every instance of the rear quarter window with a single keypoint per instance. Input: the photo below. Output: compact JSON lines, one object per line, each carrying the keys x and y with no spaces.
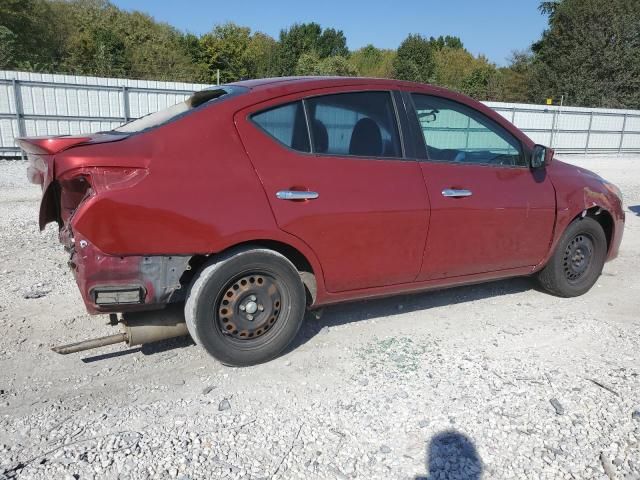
{"x":286,"y":124}
{"x":196,"y":101}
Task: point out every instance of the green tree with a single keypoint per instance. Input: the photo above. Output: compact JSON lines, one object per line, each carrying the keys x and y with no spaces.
{"x":307,"y":38}
{"x":446,"y":42}
{"x":196,"y":56}
{"x":516,"y":78}
{"x":100,"y":39}
{"x":154,"y":50}
{"x":332,"y":43}
{"x":414,"y":60}
{"x":238,"y":53}
{"x":312,"y":64}
{"x":7,"y":47}
{"x":483,"y":82}
{"x":261,"y":56}
{"x":94,"y":37}
{"x":452,"y":66}
{"x":590,"y":52}
{"x":295,"y":41}
{"x":549,"y":7}
{"x":370,"y":61}
{"x":28,"y":40}
{"x":109,"y":54}
{"x":225,"y":48}
{"x":90,"y":44}
{"x":337,"y":65}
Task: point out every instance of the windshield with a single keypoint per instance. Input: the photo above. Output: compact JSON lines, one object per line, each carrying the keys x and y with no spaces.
{"x":163,"y":116}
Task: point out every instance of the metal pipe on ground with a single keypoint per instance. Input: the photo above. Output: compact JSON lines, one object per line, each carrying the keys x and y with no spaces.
{"x":89,"y":344}
{"x":139,"y":328}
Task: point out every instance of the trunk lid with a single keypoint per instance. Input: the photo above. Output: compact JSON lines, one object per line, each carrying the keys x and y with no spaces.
{"x":41,"y":150}
{"x":51,"y":145}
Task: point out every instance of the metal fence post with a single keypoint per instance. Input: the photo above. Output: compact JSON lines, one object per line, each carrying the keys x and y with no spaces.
{"x":17,"y":97}
{"x":586,"y":147}
{"x":624,"y":126}
{"x":125,"y":104}
{"x":513,"y":114}
{"x":553,"y":128}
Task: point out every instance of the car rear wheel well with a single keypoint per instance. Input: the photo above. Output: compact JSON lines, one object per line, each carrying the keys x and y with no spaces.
{"x":307,"y":275}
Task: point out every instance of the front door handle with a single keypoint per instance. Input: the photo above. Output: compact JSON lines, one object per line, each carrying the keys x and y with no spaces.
{"x":455,"y":193}
{"x":296,"y":195}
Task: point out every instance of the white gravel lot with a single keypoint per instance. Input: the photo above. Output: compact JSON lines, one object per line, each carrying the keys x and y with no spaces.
{"x":493,"y":381}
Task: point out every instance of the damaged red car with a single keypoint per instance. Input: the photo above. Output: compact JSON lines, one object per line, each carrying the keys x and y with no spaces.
{"x":250,"y":202}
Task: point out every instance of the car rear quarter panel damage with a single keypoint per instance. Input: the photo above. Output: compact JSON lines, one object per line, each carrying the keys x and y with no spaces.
{"x":155,"y":278}
{"x":200,"y":188}
{"x":200,"y":195}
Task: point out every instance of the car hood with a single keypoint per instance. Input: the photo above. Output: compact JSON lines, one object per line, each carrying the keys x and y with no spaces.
{"x":568,"y":178}
{"x":560,"y":168}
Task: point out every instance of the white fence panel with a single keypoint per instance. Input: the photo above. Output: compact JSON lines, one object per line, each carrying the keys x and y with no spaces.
{"x":631,"y":142}
{"x":51,"y":104}
{"x":576,"y":129}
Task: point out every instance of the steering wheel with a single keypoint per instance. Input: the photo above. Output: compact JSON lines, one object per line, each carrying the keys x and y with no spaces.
{"x":500,"y":160}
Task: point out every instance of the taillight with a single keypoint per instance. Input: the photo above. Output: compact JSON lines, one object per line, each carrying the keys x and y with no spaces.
{"x":105,"y":179}
{"x":77,"y":185}
{"x":72,"y":192}
{"x":37,"y":170}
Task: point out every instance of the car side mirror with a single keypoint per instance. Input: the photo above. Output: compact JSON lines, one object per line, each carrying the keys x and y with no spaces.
{"x":541,"y":156}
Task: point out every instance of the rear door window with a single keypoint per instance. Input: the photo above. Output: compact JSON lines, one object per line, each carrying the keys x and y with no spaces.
{"x":285,"y":123}
{"x":360,"y":124}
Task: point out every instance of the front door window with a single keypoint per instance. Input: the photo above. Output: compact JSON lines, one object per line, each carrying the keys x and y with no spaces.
{"x":456,"y":133}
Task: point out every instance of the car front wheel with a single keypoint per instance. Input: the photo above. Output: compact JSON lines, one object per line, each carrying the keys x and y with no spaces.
{"x":577,"y":261}
{"x":246,"y":306}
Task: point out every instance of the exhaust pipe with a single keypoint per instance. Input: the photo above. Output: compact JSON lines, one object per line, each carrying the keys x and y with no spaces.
{"x":138,"y":328}
{"x":89,"y":344}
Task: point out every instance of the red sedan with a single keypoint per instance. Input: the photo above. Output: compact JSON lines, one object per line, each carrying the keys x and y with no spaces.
{"x":252,"y":201}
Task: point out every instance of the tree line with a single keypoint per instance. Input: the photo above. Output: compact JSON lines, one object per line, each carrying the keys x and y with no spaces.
{"x":590,"y":52}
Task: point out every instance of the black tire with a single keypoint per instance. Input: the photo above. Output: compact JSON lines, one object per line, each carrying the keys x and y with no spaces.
{"x":577,"y":261}
{"x":230,"y":286}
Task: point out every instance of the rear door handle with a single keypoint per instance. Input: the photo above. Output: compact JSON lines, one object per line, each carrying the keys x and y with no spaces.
{"x":296,"y":195}
{"x":455,"y":193}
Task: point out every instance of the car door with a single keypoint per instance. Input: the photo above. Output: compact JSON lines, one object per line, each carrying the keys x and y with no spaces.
{"x":489,"y":210}
{"x":342,"y":185}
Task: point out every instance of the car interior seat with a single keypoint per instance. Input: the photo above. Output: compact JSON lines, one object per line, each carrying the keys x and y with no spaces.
{"x":320,"y":137}
{"x":366,"y":139}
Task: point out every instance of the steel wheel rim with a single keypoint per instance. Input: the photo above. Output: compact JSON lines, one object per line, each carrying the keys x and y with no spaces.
{"x":249,"y":306}
{"x":578,"y":257}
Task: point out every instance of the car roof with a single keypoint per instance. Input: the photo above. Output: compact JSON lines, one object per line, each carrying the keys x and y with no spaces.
{"x":309,"y":83}
{"x":270,"y":88}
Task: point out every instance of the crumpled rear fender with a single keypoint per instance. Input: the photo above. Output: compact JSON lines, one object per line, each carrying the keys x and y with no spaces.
{"x":156,"y":276}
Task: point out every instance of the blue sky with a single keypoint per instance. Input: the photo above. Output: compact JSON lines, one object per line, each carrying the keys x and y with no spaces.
{"x":491,"y":27}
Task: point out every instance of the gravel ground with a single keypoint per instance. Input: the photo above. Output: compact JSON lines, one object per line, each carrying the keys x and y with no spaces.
{"x":493,"y":381}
